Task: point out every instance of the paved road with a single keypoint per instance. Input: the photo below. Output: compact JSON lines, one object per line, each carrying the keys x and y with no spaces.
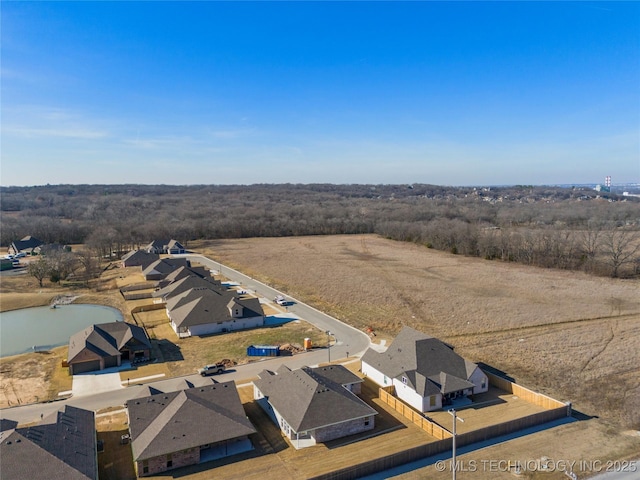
{"x":345,"y":340}
{"x":348,"y":339}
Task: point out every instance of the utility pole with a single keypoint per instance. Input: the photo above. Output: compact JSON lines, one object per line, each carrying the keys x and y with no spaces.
{"x":454,"y":467}
{"x":329,"y":344}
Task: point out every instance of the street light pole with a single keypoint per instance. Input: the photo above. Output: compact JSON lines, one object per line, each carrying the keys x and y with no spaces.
{"x":329,"y":344}
{"x":452,"y":412}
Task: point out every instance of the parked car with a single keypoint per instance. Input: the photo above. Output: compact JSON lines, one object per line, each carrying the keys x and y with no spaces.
{"x":280,"y":300}
{"x":212,"y":369}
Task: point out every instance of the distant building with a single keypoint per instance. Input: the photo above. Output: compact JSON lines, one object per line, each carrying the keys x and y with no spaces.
{"x":26,"y":245}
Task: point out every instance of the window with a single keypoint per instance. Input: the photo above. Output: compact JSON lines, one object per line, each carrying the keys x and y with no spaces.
{"x":432,"y":401}
{"x":366,"y":422}
{"x":404,"y":380}
{"x":145,"y":469}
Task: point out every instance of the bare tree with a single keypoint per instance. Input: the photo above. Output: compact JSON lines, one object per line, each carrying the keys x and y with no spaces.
{"x":620,"y":246}
{"x":39,"y":269}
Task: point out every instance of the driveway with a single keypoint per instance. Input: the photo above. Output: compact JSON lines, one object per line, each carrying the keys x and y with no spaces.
{"x":97,"y":382}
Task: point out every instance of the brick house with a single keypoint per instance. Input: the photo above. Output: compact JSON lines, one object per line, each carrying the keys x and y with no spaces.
{"x":187,"y":427}
{"x":309,"y":405}
{"x":105,"y":345}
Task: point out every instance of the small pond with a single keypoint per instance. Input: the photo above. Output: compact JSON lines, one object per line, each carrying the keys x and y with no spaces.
{"x":45,"y":327}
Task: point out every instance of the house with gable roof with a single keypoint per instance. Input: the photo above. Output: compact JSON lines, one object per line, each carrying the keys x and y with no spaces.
{"x":203,"y":311}
{"x":309,"y":405}
{"x":172,"y":247}
{"x":62,"y":446}
{"x":426,"y":373}
{"x":139,"y":258}
{"x":187,"y":427}
{"x":105,"y":345}
{"x":159,"y":269}
{"x":26,"y":245}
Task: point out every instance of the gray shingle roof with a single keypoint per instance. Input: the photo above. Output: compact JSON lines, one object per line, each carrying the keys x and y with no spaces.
{"x":164,"y":266}
{"x":170,"y":422}
{"x":184,"y":281}
{"x":423,"y":360}
{"x":201,"y":306}
{"x":307,"y":400}
{"x":62,"y":446}
{"x":107,"y":339}
{"x":336,"y":373}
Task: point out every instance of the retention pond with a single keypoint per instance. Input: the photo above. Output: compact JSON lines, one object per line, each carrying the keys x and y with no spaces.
{"x":42,"y":328}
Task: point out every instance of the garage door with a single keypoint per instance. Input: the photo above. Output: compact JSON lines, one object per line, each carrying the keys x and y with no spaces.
{"x":86,"y":367}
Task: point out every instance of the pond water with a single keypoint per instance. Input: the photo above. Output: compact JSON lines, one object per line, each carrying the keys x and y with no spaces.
{"x":45,"y":327}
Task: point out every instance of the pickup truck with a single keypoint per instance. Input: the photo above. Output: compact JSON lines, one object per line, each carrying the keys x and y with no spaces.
{"x":280,"y":300}
{"x":211,"y":369}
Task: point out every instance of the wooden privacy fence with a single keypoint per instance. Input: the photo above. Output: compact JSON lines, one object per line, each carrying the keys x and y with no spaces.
{"x":148,"y":308}
{"x":416,"y":418}
{"x":554,"y":410}
{"x":136,"y":296}
{"x":137,"y":286}
{"x":388,"y":461}
{"x":525,"y":394}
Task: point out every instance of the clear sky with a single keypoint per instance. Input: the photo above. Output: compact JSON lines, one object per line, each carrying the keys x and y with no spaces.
{"x":449,"y":93}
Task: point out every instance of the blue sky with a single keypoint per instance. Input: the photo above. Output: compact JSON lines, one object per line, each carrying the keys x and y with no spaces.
{"x":449,"y":93}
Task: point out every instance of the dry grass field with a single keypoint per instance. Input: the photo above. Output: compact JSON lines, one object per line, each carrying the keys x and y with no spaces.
{"x":566,"y":334}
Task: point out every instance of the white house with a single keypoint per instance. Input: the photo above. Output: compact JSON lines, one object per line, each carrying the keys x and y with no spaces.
{"x":426,"y":373}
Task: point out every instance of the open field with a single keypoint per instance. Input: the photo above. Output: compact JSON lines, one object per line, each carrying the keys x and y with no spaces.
{"x":565,"y":334}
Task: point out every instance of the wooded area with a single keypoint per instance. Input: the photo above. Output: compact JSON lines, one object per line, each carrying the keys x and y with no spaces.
{"x":555,"y":227}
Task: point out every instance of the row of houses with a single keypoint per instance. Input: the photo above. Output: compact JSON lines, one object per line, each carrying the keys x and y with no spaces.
{"x":190,"y":424}
{"x":31,"y":245}
{"x":196,"y":303}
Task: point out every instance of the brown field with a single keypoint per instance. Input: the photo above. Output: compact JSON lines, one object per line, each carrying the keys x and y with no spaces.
{"x":566,"y":334}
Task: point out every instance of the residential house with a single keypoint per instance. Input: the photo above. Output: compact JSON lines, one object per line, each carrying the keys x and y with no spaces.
{"x":187,"y":427}
{"x":426,"y":373}
{"x":310,"y":407}
{"x":26,"y":245}
{"x":197,"y":273}
{"x":184,"y":284}
{"x":139,"y":258}
{"x":105,"y":345}
{"x":159,"y":269}
{"x":50,"y":249}
{"x":62,"y":446}
{"x":202,"y":311}
{"x":172,"y":247}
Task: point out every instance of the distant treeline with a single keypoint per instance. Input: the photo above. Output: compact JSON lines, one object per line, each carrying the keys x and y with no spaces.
{"x":569,"y":228}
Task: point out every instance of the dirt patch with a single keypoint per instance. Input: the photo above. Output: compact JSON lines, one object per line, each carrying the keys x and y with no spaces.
{"x":28,"y":378}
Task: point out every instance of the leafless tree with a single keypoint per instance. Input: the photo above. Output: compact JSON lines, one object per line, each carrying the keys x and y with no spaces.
{"x":39,"y":269}
{"x":620,"y":246}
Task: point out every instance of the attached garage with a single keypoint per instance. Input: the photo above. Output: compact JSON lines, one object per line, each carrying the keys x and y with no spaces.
{"x":83,"y":367}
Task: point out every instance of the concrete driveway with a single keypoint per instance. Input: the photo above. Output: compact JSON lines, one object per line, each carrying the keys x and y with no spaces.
{"x":97,"y":382}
